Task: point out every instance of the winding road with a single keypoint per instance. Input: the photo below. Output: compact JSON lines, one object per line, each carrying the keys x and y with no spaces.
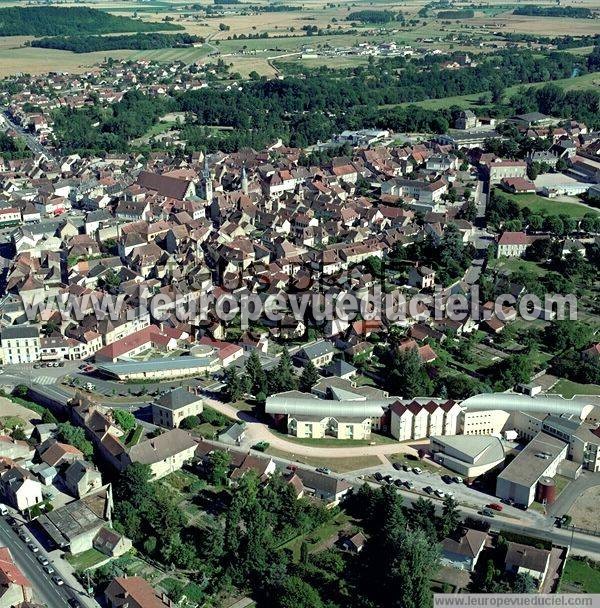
{"x":258,"y":431}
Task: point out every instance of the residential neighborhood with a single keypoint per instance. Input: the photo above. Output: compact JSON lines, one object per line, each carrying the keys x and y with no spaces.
{"x":274,"y":371}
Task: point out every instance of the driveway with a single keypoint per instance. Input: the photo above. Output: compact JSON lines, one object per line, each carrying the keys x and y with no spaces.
{"x":258,"y":431}
{"x":572,"y":492}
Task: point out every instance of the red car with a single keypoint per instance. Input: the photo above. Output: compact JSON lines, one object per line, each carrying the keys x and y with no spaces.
{"x":495,"y":506}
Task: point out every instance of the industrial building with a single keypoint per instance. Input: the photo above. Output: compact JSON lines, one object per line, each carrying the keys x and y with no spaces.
{"x":468,"y":455}
{"x":541,"y":457}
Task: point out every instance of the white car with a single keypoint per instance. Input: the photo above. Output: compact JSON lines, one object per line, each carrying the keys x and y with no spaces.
{"x":32,"y":548}
{"x":48,"y":569}
{"x":42,"y":559}
{"x":58,"y":581}
{"x":417,"y":470}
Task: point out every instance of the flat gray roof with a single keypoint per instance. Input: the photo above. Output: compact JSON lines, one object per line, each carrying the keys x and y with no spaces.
{"x":166,"y":363}
{"x":528,"y":466}
{"x":14,"y":332}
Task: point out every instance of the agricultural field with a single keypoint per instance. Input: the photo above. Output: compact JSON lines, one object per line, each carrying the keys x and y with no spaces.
{"x":287,"y":39}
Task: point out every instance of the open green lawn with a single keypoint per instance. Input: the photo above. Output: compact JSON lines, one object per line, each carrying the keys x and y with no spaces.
{"x":339,"y":464}
{"x":568,"y":389}
{"x":580,"y":577}
{"x":321,"y":535}
{"x":577,"y":83}
{"x":516,"y":265}
{"x":87,"y":559}
{"x":332,"y":442}
{"x":548,"y":206}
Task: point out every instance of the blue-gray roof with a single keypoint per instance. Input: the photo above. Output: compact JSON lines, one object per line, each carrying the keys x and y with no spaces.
{"x":317,"y":349}
{"x":166,"y":363}
{"x":310,"y":405}
{"x":514,"y":402}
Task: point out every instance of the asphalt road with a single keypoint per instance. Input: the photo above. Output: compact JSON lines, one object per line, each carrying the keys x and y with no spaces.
{"x":44,"y":589}
{"x":527,"y":523}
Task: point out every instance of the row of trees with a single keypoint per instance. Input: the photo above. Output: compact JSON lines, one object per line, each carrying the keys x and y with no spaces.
{"x":90,"y":44}
{"x":256,"y":381}
{"x":302,"y":110}
{"x":239,"y":547}
{"x":503,"y":212}
{"x":62,"y":21}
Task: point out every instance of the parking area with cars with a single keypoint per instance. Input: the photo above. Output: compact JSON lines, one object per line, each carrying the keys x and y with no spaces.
{"x":41,"y":568}
{"x":423,"y":481}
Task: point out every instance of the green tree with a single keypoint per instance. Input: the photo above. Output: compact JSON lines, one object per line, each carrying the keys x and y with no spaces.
{"x":308,"y":378}
{"x":408,"y":378}
{"x":235,"y":384}
{"x":218,"y":467}
{"x":283,"y":377}
{"x":126,"y":420}
{"x":75,"y":436}
{"x":450,"y":516}
{"x":256,"y":374}
{"x":295,"y":593}
{"x":133,"y":485}
{"x":189,"y":422}
{"x":562,"y":335}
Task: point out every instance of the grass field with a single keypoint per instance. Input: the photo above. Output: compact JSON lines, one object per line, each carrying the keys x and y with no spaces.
{"x":569,"y":389}
{"x":327,"y":532}
{"x":577,"y":83}
{"x":547,"y":206}
{"x":286,"y":36}
{"x":580,"y":577}
{"x":87,"y":559}
{"x":516,"y":265}
{"x":339,"y":465}
{"x":332,"y":442}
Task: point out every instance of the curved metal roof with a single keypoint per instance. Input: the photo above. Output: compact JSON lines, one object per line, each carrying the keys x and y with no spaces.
{"x":309,"y":406}
{"x":514,"y":402}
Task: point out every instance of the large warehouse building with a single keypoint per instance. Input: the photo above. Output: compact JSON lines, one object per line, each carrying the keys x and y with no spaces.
{"x":541,"y":457}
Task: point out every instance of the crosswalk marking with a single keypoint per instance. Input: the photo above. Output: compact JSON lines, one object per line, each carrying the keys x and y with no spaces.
{"x":45,"y":380}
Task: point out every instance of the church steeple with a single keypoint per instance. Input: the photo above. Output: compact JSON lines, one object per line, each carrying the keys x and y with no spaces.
{"x":207,"y":186}
{"x":244,"y":180}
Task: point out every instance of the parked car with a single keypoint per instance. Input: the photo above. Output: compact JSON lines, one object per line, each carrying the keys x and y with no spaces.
{"x":58,"y":581}
{"x":446,"y":479}
{"x":398,"y":482}
{"x":74,"y":602}
{"x":457,"y":479}
{"x":48,"y":569}
{"x":428,"y":489}
{"x":410,"y":485}
{"x":495,"y":506}
{"x":397,"y":466}
{"x":440,"y":493}
{"x":42,"y":559}
{"x":417,"y":470}
{"x":32,"y":548}
{"x":323,"y":470}
{"x":3,"y":510}
{"x":23,"y":536}
{"x":388,"y":478}
{"x":378,"y":476}
{"x":406,"y":468}
{"x":487,"y":512}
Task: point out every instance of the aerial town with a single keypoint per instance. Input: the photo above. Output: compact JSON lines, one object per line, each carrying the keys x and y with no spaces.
{"x":354,"y":364}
